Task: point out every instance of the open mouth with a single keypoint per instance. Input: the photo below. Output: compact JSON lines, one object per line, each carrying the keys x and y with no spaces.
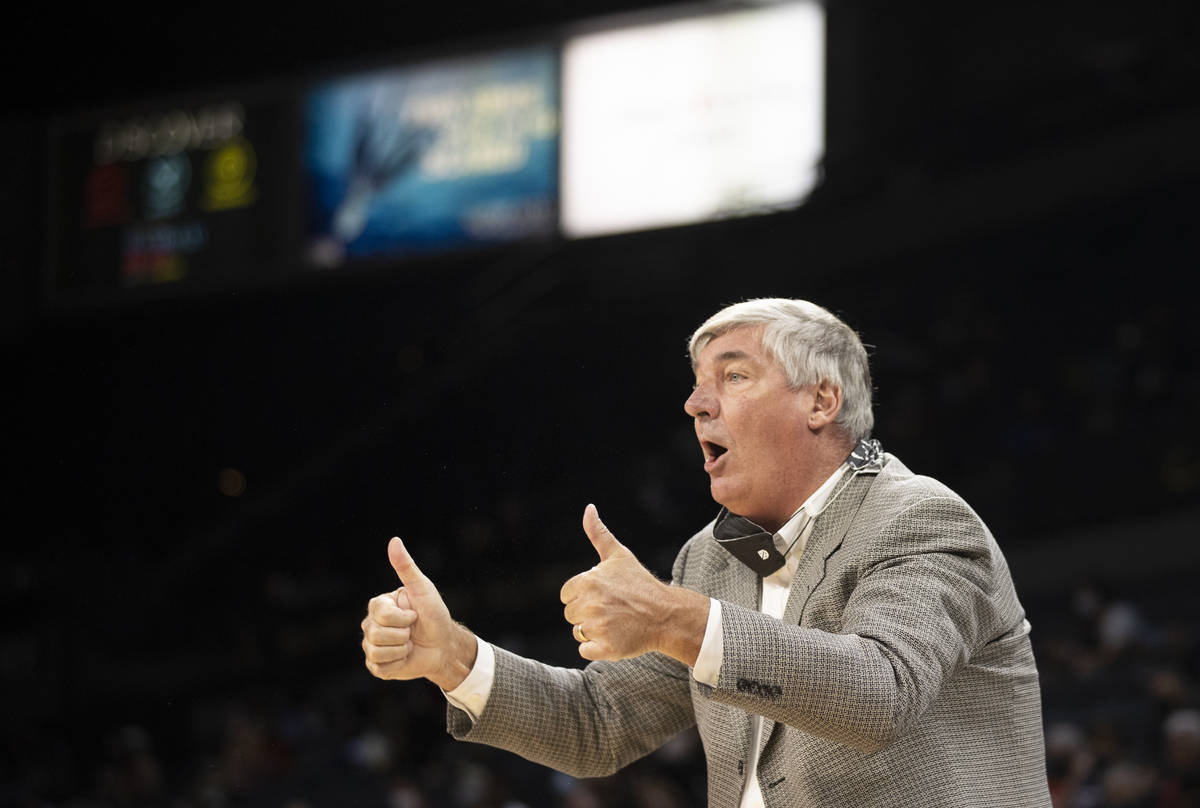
{"x":712,"y":451}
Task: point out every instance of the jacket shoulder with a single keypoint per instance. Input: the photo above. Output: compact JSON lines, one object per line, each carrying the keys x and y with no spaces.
{"x":897,"y":489}
{"x":904,"y":512}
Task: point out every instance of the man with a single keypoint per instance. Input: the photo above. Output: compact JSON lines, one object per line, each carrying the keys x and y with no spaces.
{"x":845,"y":633}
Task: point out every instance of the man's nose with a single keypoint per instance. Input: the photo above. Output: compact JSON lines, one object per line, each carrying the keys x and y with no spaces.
{"x":700,"y":403}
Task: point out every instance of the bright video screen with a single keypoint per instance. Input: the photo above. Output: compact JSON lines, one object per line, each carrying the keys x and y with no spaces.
{"x":695,"y":119}
{"x":434,"y":156}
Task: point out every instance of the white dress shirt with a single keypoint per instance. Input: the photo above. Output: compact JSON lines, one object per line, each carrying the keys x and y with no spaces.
{"x":790,"y":540}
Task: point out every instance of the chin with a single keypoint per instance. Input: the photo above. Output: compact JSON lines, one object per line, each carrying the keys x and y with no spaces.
{"x":726,"y":498}
{"x":741,"y":505}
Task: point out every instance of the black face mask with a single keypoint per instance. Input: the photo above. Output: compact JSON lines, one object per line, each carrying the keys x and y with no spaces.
{"x":755,"y":547}
{"x":748,"y":543}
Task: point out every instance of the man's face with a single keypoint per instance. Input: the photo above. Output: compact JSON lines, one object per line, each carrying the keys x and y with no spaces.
{"x":752,"y":428}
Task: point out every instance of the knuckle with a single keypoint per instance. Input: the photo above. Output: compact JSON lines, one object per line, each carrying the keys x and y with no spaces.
{"x":386,"y":616}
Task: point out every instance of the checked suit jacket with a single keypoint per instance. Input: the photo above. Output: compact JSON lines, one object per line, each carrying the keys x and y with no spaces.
{"x":900,"y":675}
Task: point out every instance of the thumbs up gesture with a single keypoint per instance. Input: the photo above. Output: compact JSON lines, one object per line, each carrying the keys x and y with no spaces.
{"x":409,"y":634}
{"x":617,"y":607}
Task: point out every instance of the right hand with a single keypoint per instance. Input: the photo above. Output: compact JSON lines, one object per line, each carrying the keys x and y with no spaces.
{"x":409,"y":634}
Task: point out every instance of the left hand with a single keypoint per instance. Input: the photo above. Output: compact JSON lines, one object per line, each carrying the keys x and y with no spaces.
{"x":617,"y":604}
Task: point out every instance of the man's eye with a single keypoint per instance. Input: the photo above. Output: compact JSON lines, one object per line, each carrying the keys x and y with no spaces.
{"x":734,"y":376}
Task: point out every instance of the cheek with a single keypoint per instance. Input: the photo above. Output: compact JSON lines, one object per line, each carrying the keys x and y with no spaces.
{"x":767,"y":430}
{"x":771,"y":439}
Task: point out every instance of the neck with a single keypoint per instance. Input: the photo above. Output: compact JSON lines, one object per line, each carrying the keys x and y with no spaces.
{"x":826,"y":461}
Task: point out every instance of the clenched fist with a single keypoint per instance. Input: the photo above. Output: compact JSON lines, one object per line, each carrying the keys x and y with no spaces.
{"x":618,"y":609}
{"x":409,"y":634}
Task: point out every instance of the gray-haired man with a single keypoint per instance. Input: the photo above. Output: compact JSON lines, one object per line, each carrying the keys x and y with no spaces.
{"x":844,"y":633}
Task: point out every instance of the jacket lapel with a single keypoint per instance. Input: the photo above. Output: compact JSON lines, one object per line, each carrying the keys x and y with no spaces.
{"x":724,"y":580}
{"x":733,"y":582}
{"x":827,"y":534}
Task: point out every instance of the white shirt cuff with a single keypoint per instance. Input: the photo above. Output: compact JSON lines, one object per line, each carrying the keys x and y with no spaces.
{"x":471,"y":695}
{"x":707,"y":669}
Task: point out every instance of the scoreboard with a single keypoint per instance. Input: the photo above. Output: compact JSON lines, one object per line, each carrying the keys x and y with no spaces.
{"x":179,"y":194}
{"x":616,"y":126}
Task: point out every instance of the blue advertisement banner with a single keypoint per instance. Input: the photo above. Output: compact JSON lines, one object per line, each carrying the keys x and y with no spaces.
{"x":431,"y":157}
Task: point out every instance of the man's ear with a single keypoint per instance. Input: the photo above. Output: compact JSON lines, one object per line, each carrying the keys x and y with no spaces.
{"x":826,"y":404}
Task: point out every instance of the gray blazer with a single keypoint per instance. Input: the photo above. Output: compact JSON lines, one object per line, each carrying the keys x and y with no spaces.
{"x":900,"y":675}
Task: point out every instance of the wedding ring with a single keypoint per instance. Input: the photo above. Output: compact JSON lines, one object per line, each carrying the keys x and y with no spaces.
{"x":578,"y":632}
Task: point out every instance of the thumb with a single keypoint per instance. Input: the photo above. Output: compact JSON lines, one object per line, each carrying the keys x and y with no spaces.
{"x":601,"y":537}
{"x":408,"y":571}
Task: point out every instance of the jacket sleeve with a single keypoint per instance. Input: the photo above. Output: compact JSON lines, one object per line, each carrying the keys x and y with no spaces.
{"x":921,"y":597}
{"x":586,"y":723}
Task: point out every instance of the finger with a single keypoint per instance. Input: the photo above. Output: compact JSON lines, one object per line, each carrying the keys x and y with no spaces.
{"x":401,"y":598}
{"x":382,"y":655}
{"x":573,"y":612}
{"x":406,"y":569}
{"x":391,"y":615}
{"x":386,"y":636}
{"x":390,"y":670}
{"x":570,"y":590}
{"x":601,"y":537}
{"x":380,"y":602}
{"x":592,"y":650}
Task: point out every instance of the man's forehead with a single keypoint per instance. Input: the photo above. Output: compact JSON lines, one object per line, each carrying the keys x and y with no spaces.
{"x":743,"y":344}
{"x":731,"y":355}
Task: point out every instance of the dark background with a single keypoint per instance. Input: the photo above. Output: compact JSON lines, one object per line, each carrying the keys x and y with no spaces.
{"x":1008,"y":218}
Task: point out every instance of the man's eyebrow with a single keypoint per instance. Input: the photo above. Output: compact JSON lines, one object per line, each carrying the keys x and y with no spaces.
{"x":728,"y":356}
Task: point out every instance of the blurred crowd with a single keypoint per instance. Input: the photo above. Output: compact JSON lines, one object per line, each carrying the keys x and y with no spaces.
{"x":1121,"y":696}
{"x":1121,"y":686}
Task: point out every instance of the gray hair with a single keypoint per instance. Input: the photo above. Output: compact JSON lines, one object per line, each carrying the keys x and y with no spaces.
{"x":810,"y":344}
